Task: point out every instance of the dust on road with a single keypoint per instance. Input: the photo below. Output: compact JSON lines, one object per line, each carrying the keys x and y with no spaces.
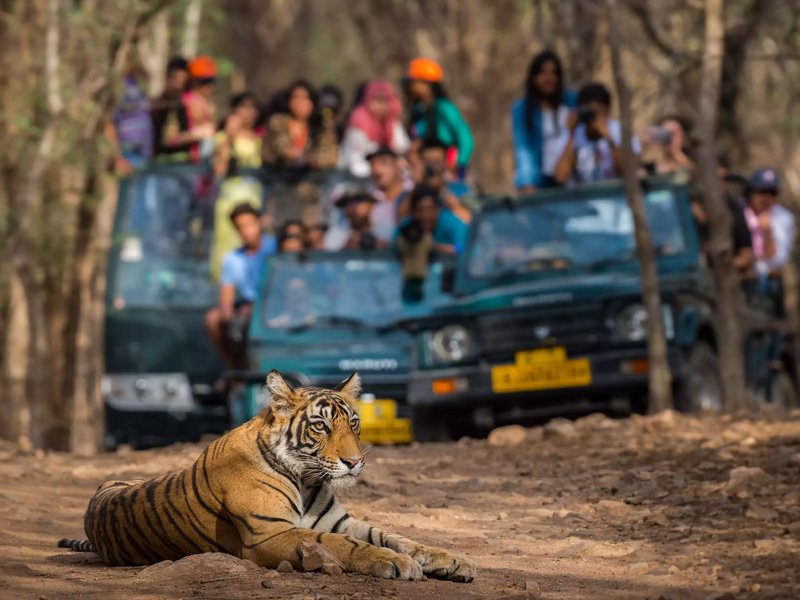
{"x":648,"y":507}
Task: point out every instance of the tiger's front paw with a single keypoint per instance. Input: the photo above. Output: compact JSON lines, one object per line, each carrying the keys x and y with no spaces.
{"x":441,"y":564}
{"x":388,"y":564}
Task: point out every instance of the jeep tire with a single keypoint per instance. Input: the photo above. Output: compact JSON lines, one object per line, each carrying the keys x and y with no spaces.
{"x":701,"y":386}
{"x":431,"y":426}
{"x":783,"y":391}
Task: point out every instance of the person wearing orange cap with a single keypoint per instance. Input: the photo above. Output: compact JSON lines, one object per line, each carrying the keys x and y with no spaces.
{"x":433,"y":114}
{"x":199,"y":127}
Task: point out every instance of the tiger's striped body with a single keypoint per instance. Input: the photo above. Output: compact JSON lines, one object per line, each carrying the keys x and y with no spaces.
{"x":258,"y":493}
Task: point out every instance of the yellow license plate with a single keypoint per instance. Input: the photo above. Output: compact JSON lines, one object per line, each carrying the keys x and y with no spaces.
{"x":542,"y":355}
{"x":542,"y":369}
{"x":380,"y":424}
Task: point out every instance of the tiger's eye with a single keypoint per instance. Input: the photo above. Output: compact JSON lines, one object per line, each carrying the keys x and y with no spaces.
{"x":318,"y":426}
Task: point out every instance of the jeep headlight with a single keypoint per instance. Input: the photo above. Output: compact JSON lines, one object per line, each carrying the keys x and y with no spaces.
{"x":451,"y":343}
{"x":631,"y":323}
{"x":152,"y":391}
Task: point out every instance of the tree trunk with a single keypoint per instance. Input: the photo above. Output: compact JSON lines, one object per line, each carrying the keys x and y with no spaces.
{"x":660,"y":376}
{"x":191,"y":28}
{"x":729,"y":293}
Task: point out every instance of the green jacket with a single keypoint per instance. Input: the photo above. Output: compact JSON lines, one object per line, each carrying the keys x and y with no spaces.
{"x":451,"y":128}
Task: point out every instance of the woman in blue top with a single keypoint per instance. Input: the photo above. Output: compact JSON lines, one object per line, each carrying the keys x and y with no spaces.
{"x":434,"y":116}
{"x":537,"y":120}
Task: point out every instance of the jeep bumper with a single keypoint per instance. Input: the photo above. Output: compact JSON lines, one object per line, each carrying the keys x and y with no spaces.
{"x":618,"y":376}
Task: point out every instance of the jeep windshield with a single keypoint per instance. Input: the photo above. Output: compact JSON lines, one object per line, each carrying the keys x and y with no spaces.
{"x":568,"y":234}
{"x":164,"y":239}
{"x":333,"y":291}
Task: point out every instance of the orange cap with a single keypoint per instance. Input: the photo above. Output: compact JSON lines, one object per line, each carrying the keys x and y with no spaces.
{"x":202,"y":67}
{"x":425,"y":69}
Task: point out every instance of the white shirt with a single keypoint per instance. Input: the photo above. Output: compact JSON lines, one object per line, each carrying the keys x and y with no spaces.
{"x":551,"y":137}
{"x":594,"y":161}
{"x":356,"y":145}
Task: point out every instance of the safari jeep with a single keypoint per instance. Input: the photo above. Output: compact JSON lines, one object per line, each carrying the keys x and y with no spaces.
{"x":547,"y":317}
{"x":322,"y":315}
{"x":170,"y":232}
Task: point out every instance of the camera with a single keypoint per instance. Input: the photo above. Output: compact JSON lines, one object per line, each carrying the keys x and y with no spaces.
{"x":411,"y":232}
{"x":660,"y":135}
{"x":433,"y":170}
{"x":368,"y":241}
{"x":586,"y":115}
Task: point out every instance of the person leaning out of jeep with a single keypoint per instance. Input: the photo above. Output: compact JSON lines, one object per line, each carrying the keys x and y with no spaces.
{"x":242,"y":269}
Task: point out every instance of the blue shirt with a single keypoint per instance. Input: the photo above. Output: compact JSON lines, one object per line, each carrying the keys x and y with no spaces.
{"x":243,"y":271}
{"x":449,"y":229}
{"x":531,"y":146}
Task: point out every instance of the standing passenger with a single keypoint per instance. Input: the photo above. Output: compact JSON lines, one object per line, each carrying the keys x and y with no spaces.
{"x":537,"y":121}
{"x":301,"y":137}
{"x":131,"y":130}
{"x":195,"y":124}
{"x":434,"y":116}
{"x":374,"y":123}
{"x":238,"y":145}
{"x":169,"y":106}
{"x":772,"y":231}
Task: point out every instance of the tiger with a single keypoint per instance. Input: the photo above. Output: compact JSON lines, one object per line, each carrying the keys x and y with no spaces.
{"x":258,"y":493}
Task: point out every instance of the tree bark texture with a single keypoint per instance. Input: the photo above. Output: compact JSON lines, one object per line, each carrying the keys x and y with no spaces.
{"x":60,"y":64}
{"x":729,"y":307}
{"x":660,"y":377}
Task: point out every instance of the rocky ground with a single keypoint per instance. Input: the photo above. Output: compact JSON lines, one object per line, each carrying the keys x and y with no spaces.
{"x":648,"y":507}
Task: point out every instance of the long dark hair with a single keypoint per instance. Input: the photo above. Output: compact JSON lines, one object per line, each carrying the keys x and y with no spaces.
{"x":532,"y":96}
{"x":315,"y":120}
{"x":439,"y":93}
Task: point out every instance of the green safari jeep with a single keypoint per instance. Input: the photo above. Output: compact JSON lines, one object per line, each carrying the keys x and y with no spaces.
{"x":322,"y":315}
{"x":547,"y":317}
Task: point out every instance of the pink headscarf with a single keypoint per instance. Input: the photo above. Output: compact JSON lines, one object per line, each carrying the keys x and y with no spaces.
{"x":377,"y":130}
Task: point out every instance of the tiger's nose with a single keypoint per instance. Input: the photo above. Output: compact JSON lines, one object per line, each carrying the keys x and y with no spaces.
{"x":351,"y":462}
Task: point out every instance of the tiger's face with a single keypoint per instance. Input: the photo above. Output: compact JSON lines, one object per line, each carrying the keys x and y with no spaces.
{"x":317,"y":431}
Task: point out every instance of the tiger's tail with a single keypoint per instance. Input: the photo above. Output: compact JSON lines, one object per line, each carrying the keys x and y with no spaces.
{"x":76,"y":545}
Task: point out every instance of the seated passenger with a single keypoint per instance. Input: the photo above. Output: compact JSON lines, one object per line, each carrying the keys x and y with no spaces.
{"x":590,"y":149}
{"x":357,"y":232}
{"x":429,"y":218}
{"x":290,"y":242}
{"x":537,"y":120}
{"x":169,"y":106}
{"x":390,"y":187}
{"x":300,"y":137}
{"x":292,"y":236}
{"x":374,"y":123}
{"x":315,"y":236}
{"x":238,"y":145}
{"x":771,"y":226}
{"x":297,"y":309}
{"x":239,"y":282}
{"x":431,"y":170}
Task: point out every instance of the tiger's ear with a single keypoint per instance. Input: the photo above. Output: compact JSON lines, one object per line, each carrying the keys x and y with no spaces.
{"x":350,"y":387}
{"x":283,"y":396}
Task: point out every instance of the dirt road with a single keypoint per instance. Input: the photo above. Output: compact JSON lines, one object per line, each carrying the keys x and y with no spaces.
{"x":658,"y":507}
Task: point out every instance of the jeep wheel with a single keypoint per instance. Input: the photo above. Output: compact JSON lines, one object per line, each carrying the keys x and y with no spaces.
{"x":701,"y":389}
{"x":428,"y":427}
{"x":783,"y":391}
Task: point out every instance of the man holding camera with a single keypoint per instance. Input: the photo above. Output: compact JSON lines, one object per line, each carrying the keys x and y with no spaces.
{"x":431,"y":170}
{"x":357,"y":232}
{"x":590,"y":150}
